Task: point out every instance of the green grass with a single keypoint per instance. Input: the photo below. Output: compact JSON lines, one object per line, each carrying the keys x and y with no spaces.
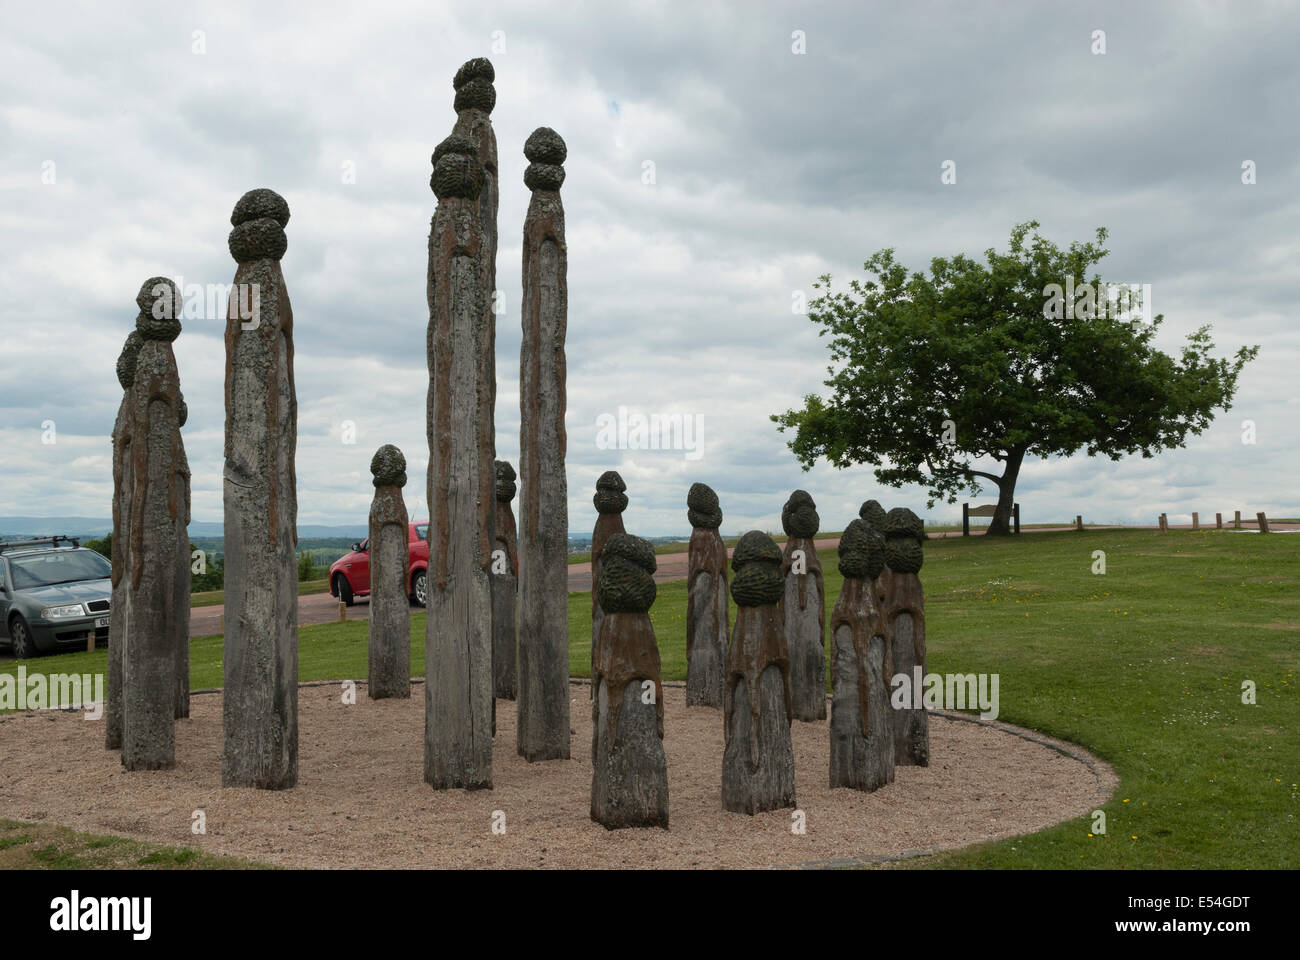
{"x":46,"y":846}
{"x":1142,"y":666}
{"x":213,"y":598}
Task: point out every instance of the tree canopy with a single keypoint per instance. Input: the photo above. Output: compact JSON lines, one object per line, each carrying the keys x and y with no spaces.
{"x":933,"y":376}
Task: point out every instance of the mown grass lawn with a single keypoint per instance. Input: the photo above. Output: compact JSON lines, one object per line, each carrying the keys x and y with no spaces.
{"x":1143,"y":665}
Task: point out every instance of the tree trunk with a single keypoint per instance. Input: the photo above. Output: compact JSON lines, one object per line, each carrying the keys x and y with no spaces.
{"x":1001,"y":523}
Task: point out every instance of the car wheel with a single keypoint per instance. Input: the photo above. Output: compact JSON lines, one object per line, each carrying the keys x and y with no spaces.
{"x":343,"y":589}
{"x":420,"y":589}
{"x":21,"y":636}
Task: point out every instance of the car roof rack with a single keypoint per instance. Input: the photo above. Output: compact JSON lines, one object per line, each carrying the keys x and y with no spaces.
{"x":39,"y":542}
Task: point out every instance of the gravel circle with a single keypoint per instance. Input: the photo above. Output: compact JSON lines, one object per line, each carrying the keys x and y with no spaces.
{"x":361,"y":800}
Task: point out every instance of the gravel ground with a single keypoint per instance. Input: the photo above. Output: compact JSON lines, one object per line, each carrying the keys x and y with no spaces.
{"x":361,"y":800}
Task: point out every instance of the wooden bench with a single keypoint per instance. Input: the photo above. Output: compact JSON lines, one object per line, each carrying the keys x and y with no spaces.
{"x":986,"y":510}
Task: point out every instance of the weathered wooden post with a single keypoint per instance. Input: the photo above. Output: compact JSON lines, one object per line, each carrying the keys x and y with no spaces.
{"x":903,"y":608}
{"x":1196,"y":520}
{"x":123,"y":482}
{"x":259,"y":715}
{"x":1263,"y":522}
{"x":543,"y":661}
{"x":758,"y":760}
{"x":610,"y":501}
{"x":862,"y":727}
{"x":629,"y":775}
{"x":390,"y":606}
{"x":505,"y":586}
{"x":1236,"y":519}
{"x":965,"y":519}
{"x":708,"y":615}
{"x":1015,"y":515}
{"x":1164,"y":523}
{"x":1218,"y":521}
{"x":181,"y":584}
{"x":149,"y":698}
{"x":461,"y":479}
{"x":804,"y":606}
{"x":1078,"y":522}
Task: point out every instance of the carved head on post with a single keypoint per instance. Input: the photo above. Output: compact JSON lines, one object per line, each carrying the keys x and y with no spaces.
{"x":388,"y":467}
{"x":259,"y":219}
{"x":505,"y":481}
{"x":904,"y":533}
{"x":473,"y":84}
{"x":873,"y":514}
{"x":626,"y":581}
{"x":545,"y":151}
{"x":799,"y":516}
{"x":610,"y":497}
{"x":757,"y":564}
{"x":862,"y":551}
{"x":457,"y":171}
{"x":159,"y":301}
{"x":702,"y":508}
{"x":126,"y":359}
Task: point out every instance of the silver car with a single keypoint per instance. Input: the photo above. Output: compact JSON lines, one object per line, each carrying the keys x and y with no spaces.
{"x":53,"y":595}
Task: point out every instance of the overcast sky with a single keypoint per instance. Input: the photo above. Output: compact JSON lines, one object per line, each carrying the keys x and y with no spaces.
{"x":770,"y":166}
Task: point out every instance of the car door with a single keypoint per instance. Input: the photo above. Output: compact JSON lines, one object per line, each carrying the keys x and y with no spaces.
{"x":360,"y":571}
{"x":5,"y":598}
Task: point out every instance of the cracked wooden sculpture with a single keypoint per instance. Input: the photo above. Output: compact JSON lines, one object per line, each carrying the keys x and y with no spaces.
{"x":629,"y":774}
{"x":708,"y":615}
{"x":610,"y":501}
{"x":758,"y":760}
{"x":505,"y":585}
{"x":390,"y":607}
{"x":805,"y":607}
{"x":862,"y":723}
{"x":259,"y":717}
{"x":903,"y":607}
{"x":543,"y":661}
{"x":123,"y":481}
{"x":458,"y":638}
{"x":157,"y":506}
{"x":181,"y":600}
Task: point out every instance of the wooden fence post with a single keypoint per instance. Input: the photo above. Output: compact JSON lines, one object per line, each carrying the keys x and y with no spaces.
{"x":1236,"y":519}
{"x":1164,"y":523}
{"x":1218,"y":521}
{"x":1078,"y":522}
{"x":965,"y":519}
{"x":1016,"y":515}
{"x":1196,"y":520}
{"x":1263,"y":522}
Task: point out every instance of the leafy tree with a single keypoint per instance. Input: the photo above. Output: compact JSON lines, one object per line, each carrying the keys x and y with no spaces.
{"x":306,"y":570}
{"x":932,"y":376}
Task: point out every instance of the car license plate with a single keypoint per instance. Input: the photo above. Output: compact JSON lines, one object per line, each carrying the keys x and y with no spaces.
{"x":101,"y":622}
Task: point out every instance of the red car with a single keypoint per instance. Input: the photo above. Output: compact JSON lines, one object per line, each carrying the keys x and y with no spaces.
{"x":350,"y":573}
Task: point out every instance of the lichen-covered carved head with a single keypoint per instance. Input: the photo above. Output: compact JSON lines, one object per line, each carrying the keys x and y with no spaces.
{"x":473,"y":83}
{"x":259,"y":219}
{"x":702,"y":509}
{"x":862,"y":551}
{"x":610,"y":497}
{"x":627,"y":584}
{"x":874,"y":514}
{"x":757,"y":563}
{"x":505,"y":481}
{"x":126,"y":359}
{"x":545,"y":151}
{"x":904,"y":533}
{"x":799,"y":515}
{"x":457,"y":171}
{"x":388,"y":466}
{"x":159,"y":301}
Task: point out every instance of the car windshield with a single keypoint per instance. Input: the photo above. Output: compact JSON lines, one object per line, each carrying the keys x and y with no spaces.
{"x":61,"y":566}
{"x":422,"y":531}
